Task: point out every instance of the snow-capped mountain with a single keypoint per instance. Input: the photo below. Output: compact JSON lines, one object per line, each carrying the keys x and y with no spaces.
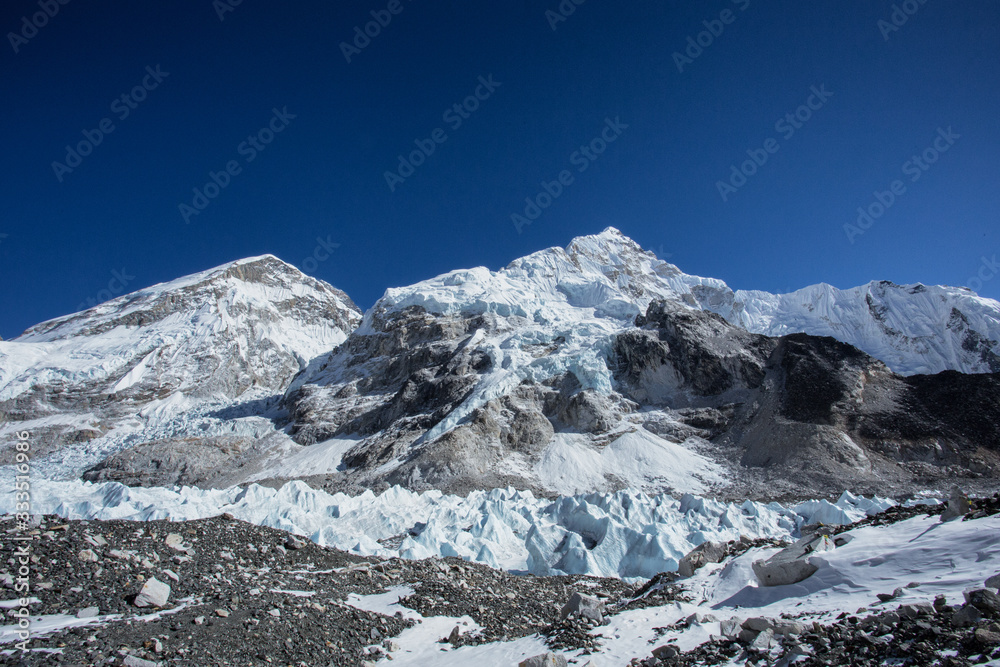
{"x":538,"y":375}
{"x":145,"y":366}
{"x":593,"y":367}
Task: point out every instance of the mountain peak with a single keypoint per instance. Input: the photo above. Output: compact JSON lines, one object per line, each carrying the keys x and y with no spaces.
{"x":262,"y":281}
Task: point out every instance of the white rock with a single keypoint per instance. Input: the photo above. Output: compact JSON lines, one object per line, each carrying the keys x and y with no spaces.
{"x":544,"y":660}
{"x":153,"y":594}
{"x":585,"y":606}
{"x":175,"y":542}
{"x":132,"y":661}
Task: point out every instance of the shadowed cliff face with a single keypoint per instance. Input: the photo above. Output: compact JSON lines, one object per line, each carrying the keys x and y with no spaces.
{"x":805,"y":406}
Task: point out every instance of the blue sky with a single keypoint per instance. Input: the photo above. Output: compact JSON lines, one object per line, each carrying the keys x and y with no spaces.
{"x":272,"y":82}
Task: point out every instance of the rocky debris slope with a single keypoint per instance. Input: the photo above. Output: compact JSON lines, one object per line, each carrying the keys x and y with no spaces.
{"x":951,"y":635}
{"x":196,"y":358}
{"x":223,"y":592}
{"x":237,"y":594}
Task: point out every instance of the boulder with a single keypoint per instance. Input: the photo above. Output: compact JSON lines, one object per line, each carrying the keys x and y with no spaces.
{"x":966,"y":616}
{"x":544,"y":660}
{"x":584,"y":606}
{"x":789,"y":628}
{"x":88,"y":612}
{"x":763,"y":641}
{"x":987,"y":637}
{"x":792,"y":564}
{"x":175,"y":541}
{"x":665,"y":652}
{"x":730,"y":628}
{"x":132,"y":661}
{"x":153,"y":594}
{"x":984,"y":600}
{"x":758,"y":624}
{"x":993,"y":582}
{"x":293,"y":543}
{"x":704,"y":553}
{"x":958,"y":505}
{"x":783,"y":572}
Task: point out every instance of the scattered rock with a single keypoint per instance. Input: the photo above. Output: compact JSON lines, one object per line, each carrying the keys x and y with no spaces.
{"x":988,"y":637}
{"x":966,"y":616}
{"x":293,"y":543}
{"x":792,"y":565}
{"x":984,"y":600}
{"x":704,"y":553}
{"x":758,"y":624}
{"x":175,"y":542}
{"x":88,"y":612}
{"x":958,"y":505}
{"x":584,"y":606}
{"x":132,"y":661}
{"x":666,"y":652}
{"x":544,"y":660}
{"x":730,"y":628}
{"x":764,"y":640}
{"x":88,"y":556}
{"x":153,"y":594}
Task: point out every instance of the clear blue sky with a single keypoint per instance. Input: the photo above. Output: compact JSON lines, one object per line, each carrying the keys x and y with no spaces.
{"x":323,"y":175}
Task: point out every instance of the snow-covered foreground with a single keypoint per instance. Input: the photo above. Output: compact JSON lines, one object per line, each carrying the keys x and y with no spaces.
{"x":624,"y":534}
{"x":940,"y":558}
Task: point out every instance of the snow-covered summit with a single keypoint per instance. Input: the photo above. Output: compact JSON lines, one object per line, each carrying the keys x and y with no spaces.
{"x":139,"y":362}
{"x":607,"y":276}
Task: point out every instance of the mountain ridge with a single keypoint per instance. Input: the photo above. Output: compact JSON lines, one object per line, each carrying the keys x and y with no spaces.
{"x":480,"y":378}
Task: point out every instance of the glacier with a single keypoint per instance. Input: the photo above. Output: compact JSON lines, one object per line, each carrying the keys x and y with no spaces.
{"x":626,"y":534}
